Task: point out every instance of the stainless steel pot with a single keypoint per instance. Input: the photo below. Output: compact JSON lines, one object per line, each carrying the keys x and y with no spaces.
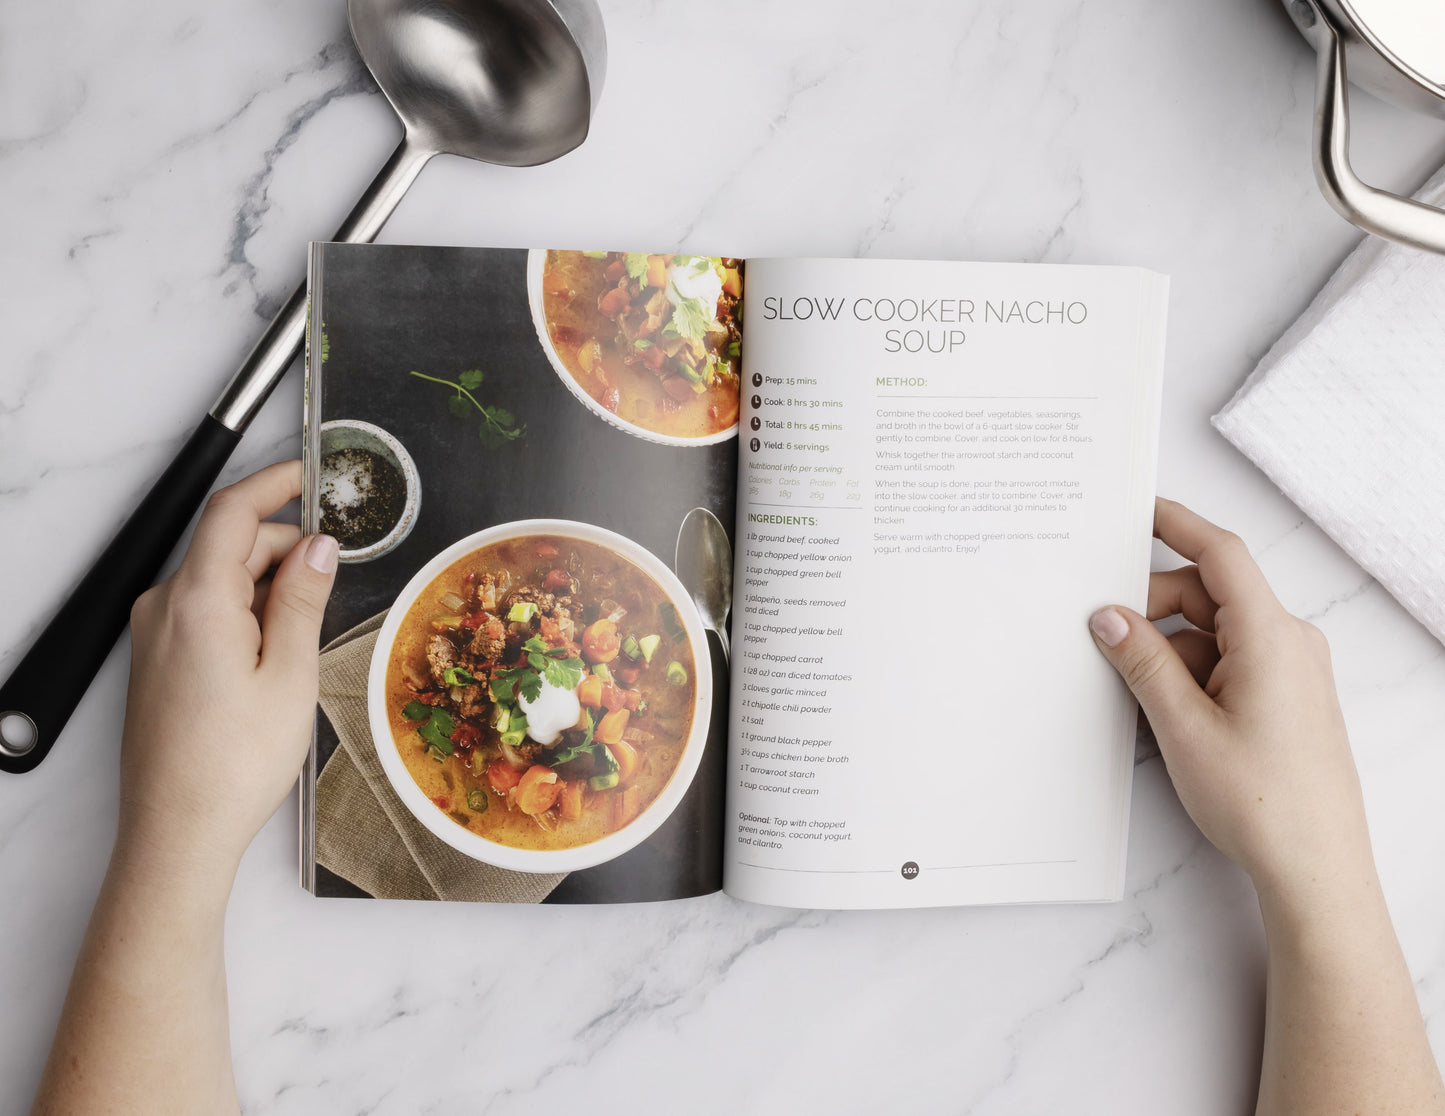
{"x":1396,"y":50}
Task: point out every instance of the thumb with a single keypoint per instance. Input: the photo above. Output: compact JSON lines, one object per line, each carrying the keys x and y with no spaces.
{"x":1150,"y":667}
{"x":291,"y":622}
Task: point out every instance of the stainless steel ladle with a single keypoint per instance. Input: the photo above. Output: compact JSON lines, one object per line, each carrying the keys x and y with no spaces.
{"x":503,"y":81}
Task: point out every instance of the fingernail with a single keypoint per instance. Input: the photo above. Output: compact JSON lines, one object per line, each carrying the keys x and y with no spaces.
{"x":1110,"y":626}
{"x":321,"y":554}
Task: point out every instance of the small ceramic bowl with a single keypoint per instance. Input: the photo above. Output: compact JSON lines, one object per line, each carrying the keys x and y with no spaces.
{"x":344,"y":434}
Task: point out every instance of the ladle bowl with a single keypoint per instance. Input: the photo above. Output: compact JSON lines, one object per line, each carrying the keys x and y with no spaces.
{"x":512,"y":82}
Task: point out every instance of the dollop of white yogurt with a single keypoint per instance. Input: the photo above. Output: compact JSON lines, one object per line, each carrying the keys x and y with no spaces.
{"x":554,"y":711}
{"x":686,"y":279}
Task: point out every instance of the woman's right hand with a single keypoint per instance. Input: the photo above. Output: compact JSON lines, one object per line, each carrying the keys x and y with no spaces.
{"x":1244,"y":708}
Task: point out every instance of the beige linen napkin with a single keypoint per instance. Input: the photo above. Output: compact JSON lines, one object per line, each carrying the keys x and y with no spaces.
{"x":364,"y":833}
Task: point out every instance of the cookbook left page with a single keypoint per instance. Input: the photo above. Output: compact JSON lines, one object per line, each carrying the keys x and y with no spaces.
{"x":529,"y":459}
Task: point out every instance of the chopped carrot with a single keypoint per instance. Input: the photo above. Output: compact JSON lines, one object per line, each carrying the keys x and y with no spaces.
{"x":657,"y":271}
{"x":626,"y":805}
{"x":590,"y":691}
{"x":572,"y":800}
{"x":612,"y":697}
{"x":538,"y":790}
{"x":600,"y":642}
{"x":611,"y":727}
{"x":628,"y":761}
{"x":503,"y":776}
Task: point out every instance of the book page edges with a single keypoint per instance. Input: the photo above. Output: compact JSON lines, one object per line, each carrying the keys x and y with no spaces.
{"x":310,"y":523}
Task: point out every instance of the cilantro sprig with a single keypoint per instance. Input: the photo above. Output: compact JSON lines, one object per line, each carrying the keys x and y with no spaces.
{"x":603,"y":761}
{"x":435,"y":728}
{"x":636,"y":264}
{"x":555,"y":664}
{"x":499,"y":426}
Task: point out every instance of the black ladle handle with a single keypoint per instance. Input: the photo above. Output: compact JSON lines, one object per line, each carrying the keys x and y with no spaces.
{"x":43,"y":691}
{"x":50,"y":680}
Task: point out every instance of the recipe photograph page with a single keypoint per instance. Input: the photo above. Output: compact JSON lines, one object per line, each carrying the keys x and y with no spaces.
{"x":944,"y":468}
{"x":529,"y":460}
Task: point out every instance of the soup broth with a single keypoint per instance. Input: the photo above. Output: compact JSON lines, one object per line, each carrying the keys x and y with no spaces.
{"x":541,"y":691}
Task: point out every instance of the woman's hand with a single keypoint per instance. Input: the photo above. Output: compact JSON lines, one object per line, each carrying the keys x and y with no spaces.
{"x":223,"y":681}
{"x":1243,"y":705}
{"x":222,"y":696}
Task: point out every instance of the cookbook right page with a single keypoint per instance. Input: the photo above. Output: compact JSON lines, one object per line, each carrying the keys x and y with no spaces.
{"x":943,"y":469}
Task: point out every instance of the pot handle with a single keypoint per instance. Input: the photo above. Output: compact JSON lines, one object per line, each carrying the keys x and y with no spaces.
{"x":1377,"y":211}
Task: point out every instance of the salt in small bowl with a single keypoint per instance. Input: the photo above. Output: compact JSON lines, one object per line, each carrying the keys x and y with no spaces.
{"x":345,"y":434}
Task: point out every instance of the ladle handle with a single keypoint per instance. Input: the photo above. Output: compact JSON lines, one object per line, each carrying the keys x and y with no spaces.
{"x":42,"y":692}
{"x":1376,"y":211}
{"x":273,"y":354}
{"x":45,"y":687}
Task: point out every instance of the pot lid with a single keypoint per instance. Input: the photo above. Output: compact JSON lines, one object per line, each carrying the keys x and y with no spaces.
{"x":1411,"y":33}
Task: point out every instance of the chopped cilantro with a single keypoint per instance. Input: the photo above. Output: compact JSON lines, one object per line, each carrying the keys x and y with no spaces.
{"x":636,"y":263}
{"x":435,"y":729}
{"x":457,"y":676}
{"x":525,"y":679}
{"x":691,"y":318}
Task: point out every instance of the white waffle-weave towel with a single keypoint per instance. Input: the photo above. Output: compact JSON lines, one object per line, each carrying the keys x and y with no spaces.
{"x":1346,"y":413}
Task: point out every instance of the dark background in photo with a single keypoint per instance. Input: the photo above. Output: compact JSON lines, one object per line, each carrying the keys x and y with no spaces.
{"x":388,"y":310}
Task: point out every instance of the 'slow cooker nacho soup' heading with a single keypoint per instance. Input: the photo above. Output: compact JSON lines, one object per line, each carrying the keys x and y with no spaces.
{"x":541,"y":692}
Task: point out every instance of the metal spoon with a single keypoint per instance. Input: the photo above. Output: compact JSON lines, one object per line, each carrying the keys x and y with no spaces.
{"x":504,"y":81}
{"x":705,"y":566}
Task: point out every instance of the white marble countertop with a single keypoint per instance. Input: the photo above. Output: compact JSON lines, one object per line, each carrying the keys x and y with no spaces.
{"x":161,"y":175}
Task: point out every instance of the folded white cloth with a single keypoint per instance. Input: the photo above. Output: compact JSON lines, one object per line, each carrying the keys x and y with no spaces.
{"x":1346,"y":413}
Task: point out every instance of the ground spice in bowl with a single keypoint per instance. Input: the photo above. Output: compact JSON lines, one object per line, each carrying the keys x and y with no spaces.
{"x":363,"y":496}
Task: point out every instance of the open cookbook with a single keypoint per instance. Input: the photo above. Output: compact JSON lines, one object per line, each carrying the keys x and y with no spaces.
{"x":664,"y":574}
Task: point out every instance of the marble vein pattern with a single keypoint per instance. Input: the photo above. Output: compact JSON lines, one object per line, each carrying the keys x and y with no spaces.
{"x":162,"y":175}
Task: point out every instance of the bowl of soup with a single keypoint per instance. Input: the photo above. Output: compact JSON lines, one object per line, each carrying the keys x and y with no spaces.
{"x":650,"y":343}
{"x":540,"y":694}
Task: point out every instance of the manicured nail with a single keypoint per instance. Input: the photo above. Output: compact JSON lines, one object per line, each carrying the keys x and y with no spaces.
{"x":1110,"y":626}
{"x":321,"y":554}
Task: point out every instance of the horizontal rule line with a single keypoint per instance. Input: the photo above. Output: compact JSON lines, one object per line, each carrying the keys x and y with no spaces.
{"x":890,"y":871}
{"x":808,"y":507}
{"x":1073,"y":398}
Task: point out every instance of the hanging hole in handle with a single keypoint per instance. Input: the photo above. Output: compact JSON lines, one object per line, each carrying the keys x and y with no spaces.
{"x":18,"y":734}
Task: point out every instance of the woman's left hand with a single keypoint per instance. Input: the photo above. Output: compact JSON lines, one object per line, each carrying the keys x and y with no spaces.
{"x":223,"y":681}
